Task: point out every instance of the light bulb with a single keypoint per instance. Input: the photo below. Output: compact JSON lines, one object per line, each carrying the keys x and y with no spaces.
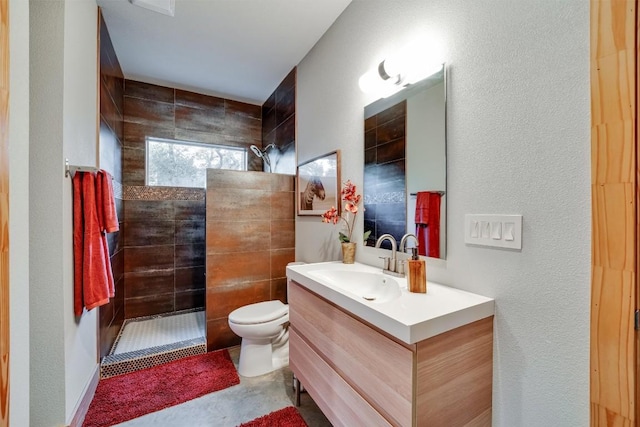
{"x":370,"y":81}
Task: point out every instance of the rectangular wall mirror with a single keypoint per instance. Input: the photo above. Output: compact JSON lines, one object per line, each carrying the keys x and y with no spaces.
{"x":405,"y":170}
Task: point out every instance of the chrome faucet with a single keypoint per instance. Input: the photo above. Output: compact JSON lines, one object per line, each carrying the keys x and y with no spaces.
{"x":403,"y":248}
{"x":403,"y":242}
{"x":390,"y":264}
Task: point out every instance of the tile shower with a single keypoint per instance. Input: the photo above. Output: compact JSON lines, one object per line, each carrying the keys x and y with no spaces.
{"x":158,"y":257}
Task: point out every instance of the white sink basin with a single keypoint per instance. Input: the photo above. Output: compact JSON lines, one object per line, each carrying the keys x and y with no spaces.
{"x":373,"y":287}
{"x":385,"y":302}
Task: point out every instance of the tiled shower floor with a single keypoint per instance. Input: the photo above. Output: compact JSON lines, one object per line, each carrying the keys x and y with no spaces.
{"x":150,"y":341}
{"x":159,"y":331}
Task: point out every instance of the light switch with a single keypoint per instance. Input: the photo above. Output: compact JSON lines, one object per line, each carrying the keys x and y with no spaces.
{"x":502,"y":231}
{"x":475,"y":229}
{"x":508,"y":231}
{"x":485,"y":229}
{"x":496,"y":230}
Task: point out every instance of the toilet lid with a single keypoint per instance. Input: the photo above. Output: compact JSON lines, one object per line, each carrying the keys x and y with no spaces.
{"x":260,"y":312}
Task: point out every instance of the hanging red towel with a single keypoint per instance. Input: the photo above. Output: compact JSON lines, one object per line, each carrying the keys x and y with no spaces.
{"x":78,"y":243}
{"x":107,"y":218}
{"x":107,"y":214}
{"x":428,"y":223}
{"x":93,"y":279}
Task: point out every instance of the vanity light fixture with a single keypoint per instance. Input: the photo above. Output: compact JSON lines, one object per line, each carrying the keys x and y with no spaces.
{"x":166,"y":7}
{"x":405,"y":67}
{"x":385,"y":80}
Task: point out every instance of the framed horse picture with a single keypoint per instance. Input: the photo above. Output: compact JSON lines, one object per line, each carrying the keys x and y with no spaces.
{"x":318,"y":184}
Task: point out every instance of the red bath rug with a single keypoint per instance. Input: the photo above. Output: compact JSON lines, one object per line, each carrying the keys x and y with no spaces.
{"x":287,"y":417}
{"x":129,"y":396}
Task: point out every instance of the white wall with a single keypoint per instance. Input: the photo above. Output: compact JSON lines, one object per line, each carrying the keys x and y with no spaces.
{"x":19,"y":212}
{"x":518,"y":143}
{"x":80,"y":117}
{"x":45,"y":214}
{"x":63,"y":125}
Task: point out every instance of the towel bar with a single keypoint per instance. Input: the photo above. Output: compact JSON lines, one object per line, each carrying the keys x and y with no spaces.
{"x":442,"y":193}
{"x":69,"y":170}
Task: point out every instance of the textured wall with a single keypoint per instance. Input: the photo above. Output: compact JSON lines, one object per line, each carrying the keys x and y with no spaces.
{"x":518,"y":143}
{"x":46,"y":301}
{"x":110,"y":143}
{"x":19,"y":212}
{"x":80,"y":110}
{"x":63,"y":112}
{"x":250,"y":241}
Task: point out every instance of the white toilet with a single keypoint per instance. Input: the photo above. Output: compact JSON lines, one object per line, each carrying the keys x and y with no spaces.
{"x":263,"y":327}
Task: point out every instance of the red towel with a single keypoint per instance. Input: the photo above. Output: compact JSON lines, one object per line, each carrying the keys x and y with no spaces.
{"x":107,"y":218}
{"x":93,"y":279}
{"x":428,"y":223}
{"x":107,"y":214}
{"x":78,"y":243}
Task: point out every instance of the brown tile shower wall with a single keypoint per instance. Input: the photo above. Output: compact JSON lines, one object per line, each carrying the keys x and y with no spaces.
{"x":384,"y":173}
{"x":164,"y":237}
{"x":110,"y":143}
{"x":165,"y":112}
{"x":164,"y":252}
{"x":279,"y":125}
{"x":250,"y":239}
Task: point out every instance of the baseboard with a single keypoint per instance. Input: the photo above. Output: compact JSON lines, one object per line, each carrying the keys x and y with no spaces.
{"x":83,"y":406}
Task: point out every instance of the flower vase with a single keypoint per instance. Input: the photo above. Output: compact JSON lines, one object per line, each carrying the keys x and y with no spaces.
{"x":348,"y":252}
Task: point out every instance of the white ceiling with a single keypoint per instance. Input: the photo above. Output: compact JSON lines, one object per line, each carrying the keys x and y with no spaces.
{"x":240,"y":49}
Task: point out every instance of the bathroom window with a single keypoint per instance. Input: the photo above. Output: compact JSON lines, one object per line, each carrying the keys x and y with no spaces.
{"x":172,"y":163}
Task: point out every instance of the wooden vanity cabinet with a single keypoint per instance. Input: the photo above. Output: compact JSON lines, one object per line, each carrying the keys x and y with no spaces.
{"x":360,"y":376}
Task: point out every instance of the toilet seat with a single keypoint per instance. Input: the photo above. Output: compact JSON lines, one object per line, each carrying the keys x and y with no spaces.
{"x":261,"y":312}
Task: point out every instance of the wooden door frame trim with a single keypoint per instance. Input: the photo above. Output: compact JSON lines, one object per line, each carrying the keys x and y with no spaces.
{"x":614,"y":184}
{"x":5,"y":332}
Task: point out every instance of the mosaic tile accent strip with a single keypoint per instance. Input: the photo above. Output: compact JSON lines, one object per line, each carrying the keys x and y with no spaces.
{"x":132,"y":192}
{"x":124,"y":363}
{"x":382,"y":198}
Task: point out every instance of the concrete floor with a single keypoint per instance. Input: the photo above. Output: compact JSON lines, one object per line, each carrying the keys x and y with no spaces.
{"x":230,"y":407}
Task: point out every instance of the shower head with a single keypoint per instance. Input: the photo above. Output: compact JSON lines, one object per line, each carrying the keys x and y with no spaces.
{"x":262,"y":154}
{"x":256,"y":151}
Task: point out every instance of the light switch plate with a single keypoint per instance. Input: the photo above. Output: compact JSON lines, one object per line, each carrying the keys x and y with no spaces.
{"x":501,"y":231}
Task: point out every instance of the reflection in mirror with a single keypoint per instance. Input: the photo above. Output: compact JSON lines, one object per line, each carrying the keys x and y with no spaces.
{"x":405,"y":166}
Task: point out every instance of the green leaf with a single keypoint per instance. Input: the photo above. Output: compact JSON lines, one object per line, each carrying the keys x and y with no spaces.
{"x":366,"y":235}
{"x":343,"y":237}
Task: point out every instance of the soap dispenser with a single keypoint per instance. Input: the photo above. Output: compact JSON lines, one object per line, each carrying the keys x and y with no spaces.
{"x":417,"y":280}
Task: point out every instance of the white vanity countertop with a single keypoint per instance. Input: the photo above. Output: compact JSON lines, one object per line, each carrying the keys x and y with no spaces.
{"x":411,"y":317}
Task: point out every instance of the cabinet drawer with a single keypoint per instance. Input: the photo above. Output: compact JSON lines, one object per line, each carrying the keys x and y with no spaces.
{"x":342,"y":405}
{"x":378,"y":368}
